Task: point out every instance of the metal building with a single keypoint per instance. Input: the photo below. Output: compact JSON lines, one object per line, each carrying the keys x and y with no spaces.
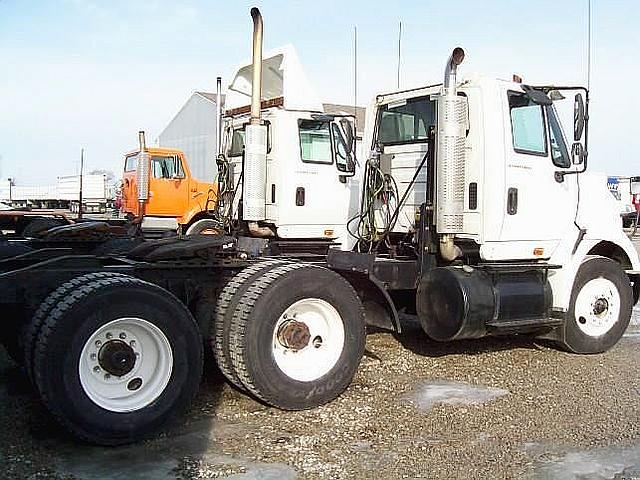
{"x":193,"y":130}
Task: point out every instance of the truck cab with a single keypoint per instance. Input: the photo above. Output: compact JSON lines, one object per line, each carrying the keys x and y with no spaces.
{"x":311,"y":185}
{"x":176,"y":199}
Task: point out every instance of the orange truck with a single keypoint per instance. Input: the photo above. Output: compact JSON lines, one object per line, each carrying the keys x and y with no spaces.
{"x":171,"y":198}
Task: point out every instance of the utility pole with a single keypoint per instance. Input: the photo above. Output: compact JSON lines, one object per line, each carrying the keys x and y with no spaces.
{"x":80,"y":193}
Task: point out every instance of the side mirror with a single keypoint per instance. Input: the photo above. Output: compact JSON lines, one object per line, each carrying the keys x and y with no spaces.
{"x":577,"y":153}
{"x":578,"y":117}
{"x":347,"y":127}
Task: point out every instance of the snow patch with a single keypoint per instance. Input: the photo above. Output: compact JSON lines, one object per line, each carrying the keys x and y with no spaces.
{"x":430,"y":393}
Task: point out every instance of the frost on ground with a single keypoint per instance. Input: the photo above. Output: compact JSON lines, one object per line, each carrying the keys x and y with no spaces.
{"x":597,"y":464}
{"x":427,"y":394}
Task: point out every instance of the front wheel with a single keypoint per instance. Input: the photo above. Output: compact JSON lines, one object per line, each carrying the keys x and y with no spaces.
{"x":600,"y":308}
{"x":117,"y":359}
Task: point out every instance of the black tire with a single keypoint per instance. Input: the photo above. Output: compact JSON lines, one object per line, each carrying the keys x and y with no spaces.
{"x":39,"y":225}
{"x":116,"y":246}
{"x":204,"y":225}
{"x":70,"y":326}
{"x":252,"y":333}
{"x":225,"y":307}
{"x":575,"y":338}
{"x":56,"y":297}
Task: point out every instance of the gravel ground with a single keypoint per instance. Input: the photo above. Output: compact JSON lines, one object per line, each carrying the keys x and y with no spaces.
{"x":493,"y":408}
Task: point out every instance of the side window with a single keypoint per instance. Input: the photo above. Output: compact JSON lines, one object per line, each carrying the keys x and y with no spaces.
{"x":131,"y":163}
{"x":315,"y":141}
{"x":559,"y":152}
{"x":527,"y":125}
{"x":237,"y":142}
{"x":407,"y":121}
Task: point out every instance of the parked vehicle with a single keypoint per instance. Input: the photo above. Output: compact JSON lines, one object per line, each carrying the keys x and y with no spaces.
{"x":469,"y":215}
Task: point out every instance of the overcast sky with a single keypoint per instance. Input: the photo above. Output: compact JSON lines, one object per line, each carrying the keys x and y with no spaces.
{"x":90,"y":73}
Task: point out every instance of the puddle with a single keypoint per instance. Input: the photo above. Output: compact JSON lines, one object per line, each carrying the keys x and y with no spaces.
{"x":188,"y":455}
{"x":597,"y":464}
{"x":427,"y":394}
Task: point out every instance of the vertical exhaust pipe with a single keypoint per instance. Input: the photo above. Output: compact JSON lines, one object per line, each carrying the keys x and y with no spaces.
{"x":142,"y":174}
{"x":218,"y":116}
{"x":256,"y":83}
{"x":254,"y":197}
{"x":450,"y":159}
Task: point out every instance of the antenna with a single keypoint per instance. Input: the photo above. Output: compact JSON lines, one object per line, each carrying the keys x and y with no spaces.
{"x":588,"y":44}
{"x":355,"y":71}
{"x":399,"y":50}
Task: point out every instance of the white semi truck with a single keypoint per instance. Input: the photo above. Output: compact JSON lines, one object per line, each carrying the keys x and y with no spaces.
{"x":473,"y":212}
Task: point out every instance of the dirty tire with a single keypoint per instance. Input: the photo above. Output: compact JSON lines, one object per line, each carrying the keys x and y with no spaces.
{"x":225,"y":306}
{"x":582,"y":334}
{"x":71,"y":326}
{"x":44,"y":309}
{"x":39,"y":225}
{"x":205,"y":226}
{"x":259,"y":312}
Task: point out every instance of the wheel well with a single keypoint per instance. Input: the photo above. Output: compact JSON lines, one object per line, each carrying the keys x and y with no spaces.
{"x":379,"y":308}
{"x":612,"y":251}
{"x":198,"y":216}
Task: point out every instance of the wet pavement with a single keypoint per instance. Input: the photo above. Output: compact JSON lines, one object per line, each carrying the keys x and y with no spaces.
{"x":491,"y":408}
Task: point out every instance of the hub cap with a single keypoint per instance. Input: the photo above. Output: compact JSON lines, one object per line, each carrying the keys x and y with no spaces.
{"x":125,"y":364}
{"x":597,"y":307}
{"x":308,"y":339}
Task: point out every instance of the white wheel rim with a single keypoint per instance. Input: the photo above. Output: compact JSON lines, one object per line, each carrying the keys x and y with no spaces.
{"x":597,"y":307}
{"x":325,"y":344}
{"x":148,"y":365}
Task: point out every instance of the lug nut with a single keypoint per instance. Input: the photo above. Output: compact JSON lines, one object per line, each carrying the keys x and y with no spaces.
{"x":107,"y":376}
{"x":109,"y":336}
{"x":132,"y":343}
{"x":93,"y":356}
{"x":96,"y":368}
{"x":98,"y":343}
{"x":123,"y":336}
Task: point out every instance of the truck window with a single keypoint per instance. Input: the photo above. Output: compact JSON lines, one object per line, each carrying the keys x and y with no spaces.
{"x":559,"y":152}
{"x":237,"y":142}
{"x":131,"y":163}
{"x":315,"y":141}
{"x":406,"y":122}
{"x":527,"y":125}
{"x":166,"y":167}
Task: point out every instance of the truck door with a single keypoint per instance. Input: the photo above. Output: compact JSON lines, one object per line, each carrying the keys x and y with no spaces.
{"x":323,"y":195}
{"x":168,"y":186}
{"x":129,"y":187}
{"x":539,"y":210}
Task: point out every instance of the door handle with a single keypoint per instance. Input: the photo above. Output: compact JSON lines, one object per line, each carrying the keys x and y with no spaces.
{"x":512,"y":201}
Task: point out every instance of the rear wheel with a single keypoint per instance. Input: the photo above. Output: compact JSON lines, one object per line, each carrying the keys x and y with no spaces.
{"x":600,"y":308}
{"x":225,"y":307}
{"x":297,"y":336}
{"x":117,"y":359}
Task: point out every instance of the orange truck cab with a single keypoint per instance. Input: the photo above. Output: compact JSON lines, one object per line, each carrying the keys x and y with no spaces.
{"x":176,"y":200}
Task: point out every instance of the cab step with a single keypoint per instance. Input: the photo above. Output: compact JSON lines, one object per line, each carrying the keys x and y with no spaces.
{"x":523,"y":325}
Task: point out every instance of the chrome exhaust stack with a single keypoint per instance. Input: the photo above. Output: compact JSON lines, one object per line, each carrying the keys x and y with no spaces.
{"x":450,"y":159}
{"x":143,"y":169}
{"x":218,"y":116}
{"x":254,"y":196}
